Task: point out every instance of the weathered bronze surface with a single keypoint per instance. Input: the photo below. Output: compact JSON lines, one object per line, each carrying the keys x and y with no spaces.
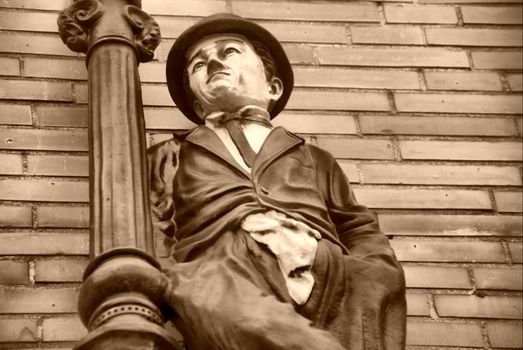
{"x":121,"y":299}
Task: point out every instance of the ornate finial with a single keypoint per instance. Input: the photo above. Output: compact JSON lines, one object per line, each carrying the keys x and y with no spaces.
{"x":74,"y":23}
{"x":146,"y":30}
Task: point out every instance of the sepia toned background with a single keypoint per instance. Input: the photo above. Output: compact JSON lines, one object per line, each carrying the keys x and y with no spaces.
{"x":419,"y":100}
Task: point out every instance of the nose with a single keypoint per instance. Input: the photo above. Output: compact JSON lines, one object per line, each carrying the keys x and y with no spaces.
{"x":214,"y":64}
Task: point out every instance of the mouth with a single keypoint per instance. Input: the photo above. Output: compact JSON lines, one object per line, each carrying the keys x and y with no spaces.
{"x":216,"y":74}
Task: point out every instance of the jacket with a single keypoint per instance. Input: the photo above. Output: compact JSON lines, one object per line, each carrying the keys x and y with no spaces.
{"x":211,"y":191}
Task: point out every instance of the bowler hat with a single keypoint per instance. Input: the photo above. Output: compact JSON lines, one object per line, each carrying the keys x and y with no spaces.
{"x":216,"y":24}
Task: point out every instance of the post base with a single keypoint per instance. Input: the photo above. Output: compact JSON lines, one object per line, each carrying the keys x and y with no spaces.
{"x":130,"y":335}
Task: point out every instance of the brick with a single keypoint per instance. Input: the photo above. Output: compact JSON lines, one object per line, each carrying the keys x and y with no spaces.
{"x":44,"y":190}
{"x":308,"y":33}
{"x":305,"y":11}
{"x":9,"y":66}
{"x":18,"y":330}
{"x":435,"y":125}
{"x":473,"y":37}
{"x":417,"y":304}
{"x":55,"y":68}
{"x":63,"y":329}
{"x":36,"y":4}
{"x":11,"y":216}
{"x":37,"y":300}
{"x":166,"y":118}
{"x":153,"y":95}
{"x":436,"y":277}
{"x":152,"y":72}
{"x":15,"y":114}
{"x":391,"y":57}
{"x":448,"y":251}
{"x":355,"y":78}
{"x":343,"y":147}
{"x":43,"y":243}
{"x":35,"y":90}
{"x":499,"y":278}
{"x":497,"y":60}
{"x":472,"y":306}
{"x":386,"y":35}
{"x":423,"y":199}
{"x":457,"y":80}
{"x":491,"y":15}
{"x":440,"y":174}
{"x":458,"y":103}
{"x":511,"y":202}
{"x":461,"y":150}
{"x":14,"y":272}
{"x":444,"y":334}
{"x":300,"y":54}
{"x":338,"y":100}
{"x":172,"y":27}
{"x":28,"y":21}
{"x":49,"y":140}
{"x":12,"y":114}
{"x":11,"y":164}
{"x":182,"y":8}
{"x":317,"y":123}
{"x":45,"y":44}
{"x":60,"y":270}
{"x":505,"y":335}
{"x":61,"y":116}
{"x":58,"y":165}
{"x":515,"y":82}
{"x":350,"y":170}
{"x":516,"y":251}
{"x":63,"y":216}
{"x":81,"y":93}
{"x":420,"y":14}
{"x":451,"y":225}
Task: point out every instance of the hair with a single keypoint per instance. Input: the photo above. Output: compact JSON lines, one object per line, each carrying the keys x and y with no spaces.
{"x":261,"y":50}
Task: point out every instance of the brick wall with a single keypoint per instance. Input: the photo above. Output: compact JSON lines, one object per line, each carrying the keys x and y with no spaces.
{"x":419,"y":100}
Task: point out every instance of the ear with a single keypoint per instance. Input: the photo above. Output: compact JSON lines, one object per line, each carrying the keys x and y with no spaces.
{"x":198,"y":108}
{"x":276,"y":88}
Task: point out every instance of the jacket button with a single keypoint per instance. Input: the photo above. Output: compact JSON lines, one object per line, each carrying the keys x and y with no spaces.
{"x":264,"y":190}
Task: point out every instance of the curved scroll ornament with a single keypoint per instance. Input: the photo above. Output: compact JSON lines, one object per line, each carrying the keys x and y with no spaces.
{"x":74,"y":23}
{"x":146,"y":30}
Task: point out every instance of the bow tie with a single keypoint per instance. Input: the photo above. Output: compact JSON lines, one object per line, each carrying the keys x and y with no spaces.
{"x":244,"y":115}
{"x":233,"y":121}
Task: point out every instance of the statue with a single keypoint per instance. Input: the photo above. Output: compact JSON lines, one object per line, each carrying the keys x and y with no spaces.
{"x":272,"y":250}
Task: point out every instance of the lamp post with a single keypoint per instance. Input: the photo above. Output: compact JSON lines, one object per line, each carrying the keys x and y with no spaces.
{"x":121,"y":299}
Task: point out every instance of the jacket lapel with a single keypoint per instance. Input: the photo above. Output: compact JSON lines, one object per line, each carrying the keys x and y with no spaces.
{"x":204,"y":137}
{"x":278,"y":142}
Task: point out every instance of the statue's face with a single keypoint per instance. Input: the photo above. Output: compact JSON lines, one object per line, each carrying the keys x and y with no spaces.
{"x":225,"y":74}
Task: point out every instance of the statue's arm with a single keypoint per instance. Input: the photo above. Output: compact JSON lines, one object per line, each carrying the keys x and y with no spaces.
{"x":162,"y":164}
{"x":376,"y":276}
{"x":356,"y":226}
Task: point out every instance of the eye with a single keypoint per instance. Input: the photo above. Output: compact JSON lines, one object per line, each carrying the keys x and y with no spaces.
{"x":197,"y":66}
{"x":230,"y":50}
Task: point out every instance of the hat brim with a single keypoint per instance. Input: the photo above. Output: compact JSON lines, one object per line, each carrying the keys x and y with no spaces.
{"x":223,"y":23}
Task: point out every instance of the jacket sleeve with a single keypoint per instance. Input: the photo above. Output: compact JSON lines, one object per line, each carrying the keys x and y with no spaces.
{"x":377,"y":280}
{"x":162,"y":161}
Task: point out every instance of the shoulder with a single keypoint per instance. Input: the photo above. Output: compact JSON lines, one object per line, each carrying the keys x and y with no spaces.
{"x":319,"y":154}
